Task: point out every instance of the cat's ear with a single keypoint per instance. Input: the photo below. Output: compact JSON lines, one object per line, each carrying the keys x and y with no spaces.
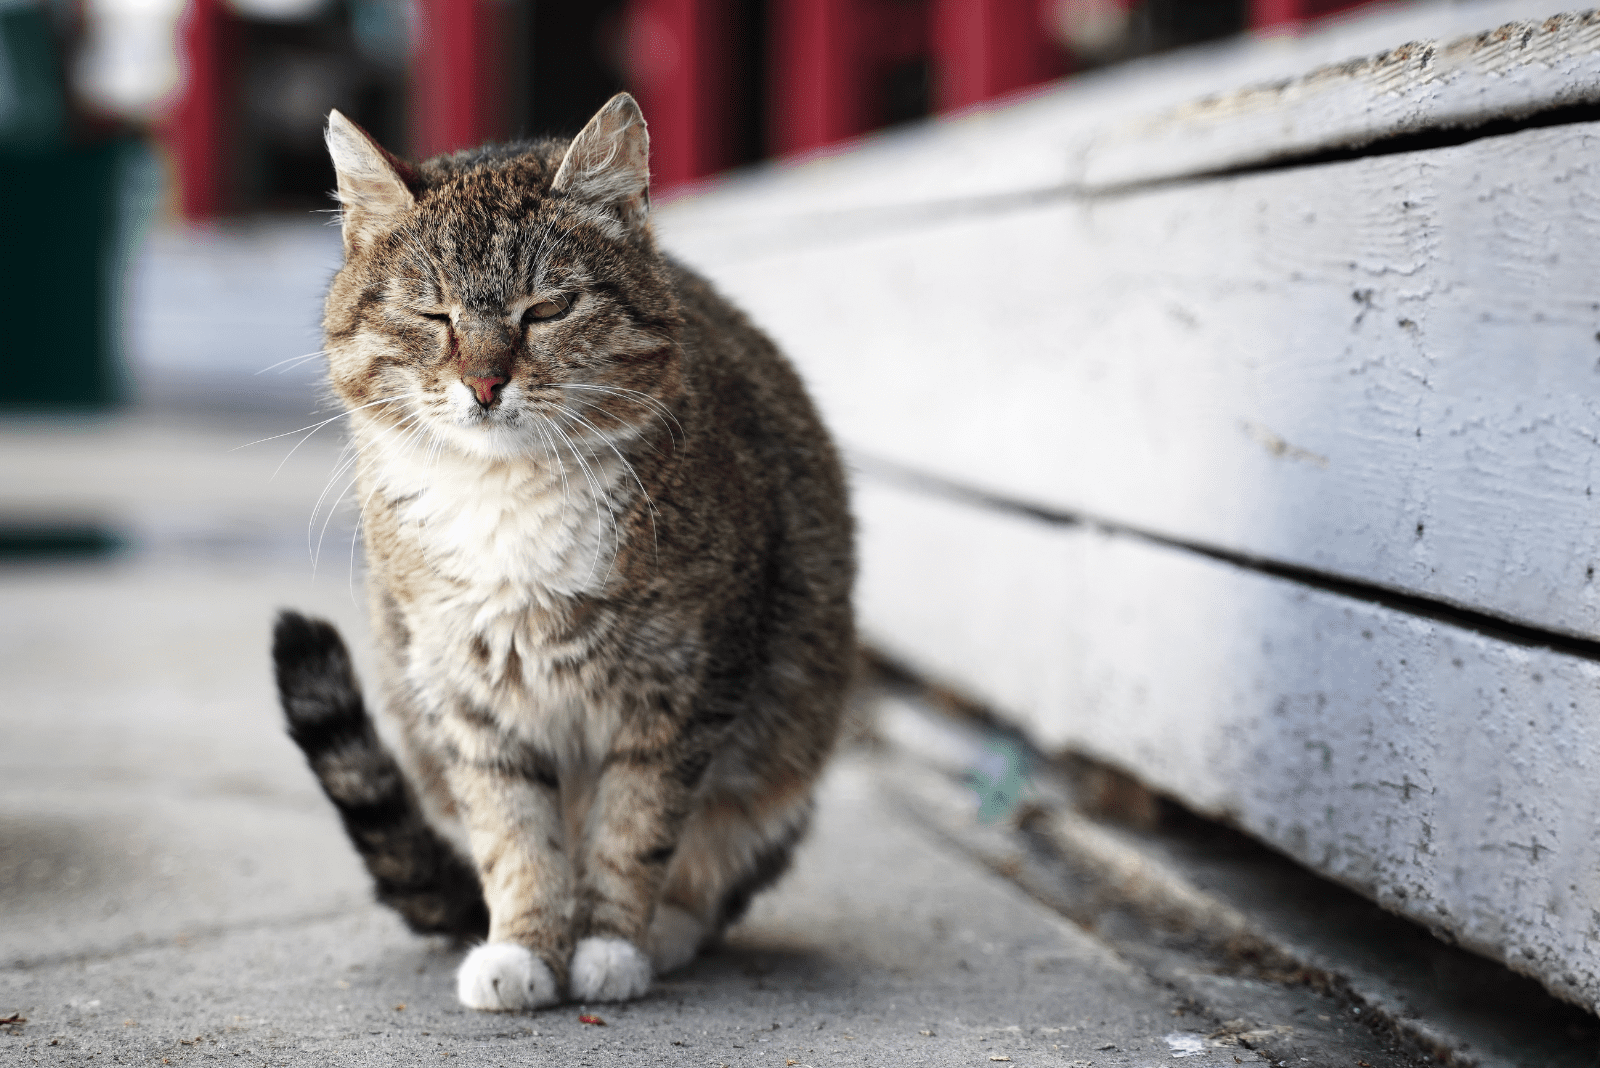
{"x":374,"y":184}
{"x":609,"y":161}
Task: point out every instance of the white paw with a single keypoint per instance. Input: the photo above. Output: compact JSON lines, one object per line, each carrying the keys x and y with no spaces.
{"x":675,"y":938}
{"x":500,"y":976}
{"x":608,"y":969}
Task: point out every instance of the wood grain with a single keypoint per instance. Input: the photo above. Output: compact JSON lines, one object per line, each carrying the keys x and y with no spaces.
{"x":1400,"y":69}
{"x":1506,"y":72}
{"x":1386,"y":369}
{"x":1373,"y":384}
{"x":1446,"y":775}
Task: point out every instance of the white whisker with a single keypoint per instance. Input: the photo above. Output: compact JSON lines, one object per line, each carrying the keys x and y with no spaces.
{"x":350,"y":456}
{"x":553,"y":460}
{"x":322,"y":424}
{"x":645,"y":400}
{"x":355,"y":459}
{"x":594,"y":484}
{"x":314,"y":427}
{"x":292,"y":362}
{"x":316,"y":555}
{"x":634,"y":474}
{"x":354,"y":534}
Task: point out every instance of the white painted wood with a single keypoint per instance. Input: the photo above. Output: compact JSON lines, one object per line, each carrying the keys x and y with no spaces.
{"x":1386,"y":369}
{"x":1506,"y":72}
{"x":1449,"y":776}
{"x":1250,"y":99}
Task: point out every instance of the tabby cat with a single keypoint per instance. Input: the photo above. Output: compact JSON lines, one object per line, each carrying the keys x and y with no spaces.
{"x":610,"y":563}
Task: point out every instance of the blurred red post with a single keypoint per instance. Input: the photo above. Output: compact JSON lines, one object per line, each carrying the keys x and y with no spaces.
{"x":196,"y":128}
{"x":458,"y":75}
{"x":816,"y":95}
{"x":982,"y":49}
{"x":827,"y":62}
{"x":1286,"y":14}
{"x":680,"y":58}
{"x":1268,"y":14}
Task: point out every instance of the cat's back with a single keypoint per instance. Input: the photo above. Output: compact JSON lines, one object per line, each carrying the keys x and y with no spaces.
{"x":773,"y":477}
{"x":747,"y":387}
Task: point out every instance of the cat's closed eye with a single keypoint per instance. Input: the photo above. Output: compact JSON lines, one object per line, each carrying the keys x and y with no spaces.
{"x":438,"y":317}
{"x":545,"y":310}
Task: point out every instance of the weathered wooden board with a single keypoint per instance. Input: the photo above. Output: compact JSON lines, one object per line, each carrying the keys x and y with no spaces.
{"x":1508,"y":72}
{"x":1447,"y":775}
{"x":1229,"y":104}
{"x":1377,"y":373}
{"x":1386,"y":369}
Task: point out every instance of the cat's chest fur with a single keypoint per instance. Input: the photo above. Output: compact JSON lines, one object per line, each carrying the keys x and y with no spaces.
{"x":499,"y":552}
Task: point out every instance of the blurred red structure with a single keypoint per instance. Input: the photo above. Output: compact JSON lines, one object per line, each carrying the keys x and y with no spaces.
{"x":196,"y":129}
{"x":982,"y":49}
{"x":458,"y":75}
{"x":680,"y":61}
{"x":827,"y":58}
{"x":827,"y":73}
{"x":1281,"y":14}
{"x":830,"y":58}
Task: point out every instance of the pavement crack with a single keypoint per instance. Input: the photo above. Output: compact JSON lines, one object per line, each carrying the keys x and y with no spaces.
{"x":1148,"y":893}
{"x":209,"y":933}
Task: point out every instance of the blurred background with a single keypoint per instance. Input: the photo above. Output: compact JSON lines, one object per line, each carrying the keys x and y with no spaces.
{"x":168,"y":465}
{"x":162,"y":158}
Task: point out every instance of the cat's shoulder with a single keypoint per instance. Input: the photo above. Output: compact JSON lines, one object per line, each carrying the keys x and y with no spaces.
{"x":718,"y":323}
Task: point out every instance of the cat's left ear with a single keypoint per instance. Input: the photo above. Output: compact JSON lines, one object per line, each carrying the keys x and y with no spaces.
{"x":609,"y":161}
{"x":374,"y":184}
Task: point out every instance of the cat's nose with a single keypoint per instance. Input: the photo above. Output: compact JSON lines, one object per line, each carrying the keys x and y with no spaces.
{"x":485,"y":387}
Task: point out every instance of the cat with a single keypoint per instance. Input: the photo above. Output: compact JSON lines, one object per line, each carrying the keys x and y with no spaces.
{"x":610,"y":561}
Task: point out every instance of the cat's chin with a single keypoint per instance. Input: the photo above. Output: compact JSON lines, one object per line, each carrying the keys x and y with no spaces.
{"x":496,"y":441}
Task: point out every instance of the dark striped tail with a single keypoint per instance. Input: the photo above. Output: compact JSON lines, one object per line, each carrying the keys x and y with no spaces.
{"x":418,"y":873}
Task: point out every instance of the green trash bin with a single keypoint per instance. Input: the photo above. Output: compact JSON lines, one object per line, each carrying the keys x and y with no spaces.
{"x":59,"y":232}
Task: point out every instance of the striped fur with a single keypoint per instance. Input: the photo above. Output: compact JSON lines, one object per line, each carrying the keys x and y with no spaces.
{"x":417,"y":873}
{"x":612,"y":603}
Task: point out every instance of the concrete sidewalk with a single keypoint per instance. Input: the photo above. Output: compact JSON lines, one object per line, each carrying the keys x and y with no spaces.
{"x":174,"y":888}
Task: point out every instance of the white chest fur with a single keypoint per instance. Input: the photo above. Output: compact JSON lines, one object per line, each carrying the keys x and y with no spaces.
{"x":525,"y":525}
{"x":505,"y":543}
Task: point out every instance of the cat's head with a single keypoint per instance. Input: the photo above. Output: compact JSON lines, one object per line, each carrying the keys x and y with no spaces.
{"x":507,"y":300}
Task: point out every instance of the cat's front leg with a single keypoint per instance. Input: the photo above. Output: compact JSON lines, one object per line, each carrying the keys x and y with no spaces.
{"x":508,"y":796}
{"x":639,"y":808}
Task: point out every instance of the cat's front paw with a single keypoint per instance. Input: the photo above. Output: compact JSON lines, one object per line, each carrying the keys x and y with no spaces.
{"x":503,"y":976}
{"x":608,"y":969}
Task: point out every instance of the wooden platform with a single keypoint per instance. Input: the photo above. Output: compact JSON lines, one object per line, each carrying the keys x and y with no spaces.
{"x":1235,"y":419}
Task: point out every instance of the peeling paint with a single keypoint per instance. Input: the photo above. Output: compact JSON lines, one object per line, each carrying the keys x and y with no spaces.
{"x":1281,"y":448}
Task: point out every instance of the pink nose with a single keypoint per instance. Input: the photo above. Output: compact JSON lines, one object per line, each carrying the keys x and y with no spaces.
{"x":486,"y":387}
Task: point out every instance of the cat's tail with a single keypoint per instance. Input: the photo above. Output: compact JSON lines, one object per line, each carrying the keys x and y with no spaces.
{"x":418,"y":873}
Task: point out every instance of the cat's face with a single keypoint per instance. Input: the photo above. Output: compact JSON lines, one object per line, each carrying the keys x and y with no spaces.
{"x":504,"y":303}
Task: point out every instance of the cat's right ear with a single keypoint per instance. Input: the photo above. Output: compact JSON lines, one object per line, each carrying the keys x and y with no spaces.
{"x":608,"y":163}
{"x":375,"y":186}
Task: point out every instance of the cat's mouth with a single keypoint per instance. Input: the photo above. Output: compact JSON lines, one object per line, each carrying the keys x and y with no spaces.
{"x":488,"y":401}
{"x":537,"y":420}
{"x":509,"y":427}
